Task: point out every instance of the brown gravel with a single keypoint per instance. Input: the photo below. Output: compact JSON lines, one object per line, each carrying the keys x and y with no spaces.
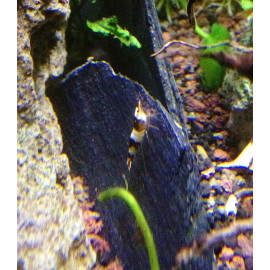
{"x":221,"y":155}
{"x":209,"y":129}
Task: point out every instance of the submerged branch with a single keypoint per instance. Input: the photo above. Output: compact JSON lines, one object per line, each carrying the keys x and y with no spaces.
{"x":203,"y":47}
{"x":213,"y":238}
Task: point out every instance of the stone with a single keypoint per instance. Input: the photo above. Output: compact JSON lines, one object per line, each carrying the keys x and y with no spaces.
{"x":195,"y":104}
{"x":246,"y":244}
{"x":220,"y":154}
{"x":50,"y":226}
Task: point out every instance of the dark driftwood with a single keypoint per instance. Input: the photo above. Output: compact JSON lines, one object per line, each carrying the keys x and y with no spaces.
{"x":95,"y":109}
{"x":140,"y":19}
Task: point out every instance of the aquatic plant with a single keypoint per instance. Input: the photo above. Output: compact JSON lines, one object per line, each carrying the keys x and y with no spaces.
{"x":213,"y":72}
{"x":110,"y":26}
{"x":232,"y":5}
{"x":139,"y":216}
{"x":246,"y":4}
{"x":167,"y":5}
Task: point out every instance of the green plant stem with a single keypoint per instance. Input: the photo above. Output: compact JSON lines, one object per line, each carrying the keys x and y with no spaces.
{"x":183,"y":3}
{"x":200,"y":32}
{"x":137,"y":211}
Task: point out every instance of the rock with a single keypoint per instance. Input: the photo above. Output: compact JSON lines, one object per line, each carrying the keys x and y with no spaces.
{"x":247,"y":205}
{"x":167,"y":37}
{"x":219,"y":111}
{"x":238,"y":91}
{"x":228,"y":178}
{"x":246,"y":244}
{"x":197,"y":127}
{"x":208,"y":172}
{"x":220,"y":154}
{"x":227,"y":253}
{"x":201,"y":152}
{"x":222,"y":135}
{"x":39,"y":60}
{"x":195,"y":104}
{"x":202,"y":118}
{"x":50,"y":226}
{"x":219,"y":122}
{"x":240,"y":125}
{"x":212,"y":101}
{"x":238,"y":263}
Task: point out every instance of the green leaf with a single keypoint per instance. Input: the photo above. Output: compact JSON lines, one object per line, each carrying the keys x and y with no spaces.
{"x":200,"y":32}
{"x":182,"y":3}
{"x":218,"y":34}
{"x":109,"y":26}
{"x":213,"y":73}
{"x":246,"y":4}
{"x":123,"y":194}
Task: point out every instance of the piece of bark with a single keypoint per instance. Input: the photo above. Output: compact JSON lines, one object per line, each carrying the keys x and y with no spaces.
{"x":241,"y":63}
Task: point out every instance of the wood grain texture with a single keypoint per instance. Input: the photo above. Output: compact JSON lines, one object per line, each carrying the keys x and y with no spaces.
{"x":95,"y":110}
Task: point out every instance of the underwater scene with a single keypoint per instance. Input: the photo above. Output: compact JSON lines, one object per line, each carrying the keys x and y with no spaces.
{"x":135,"y":135}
